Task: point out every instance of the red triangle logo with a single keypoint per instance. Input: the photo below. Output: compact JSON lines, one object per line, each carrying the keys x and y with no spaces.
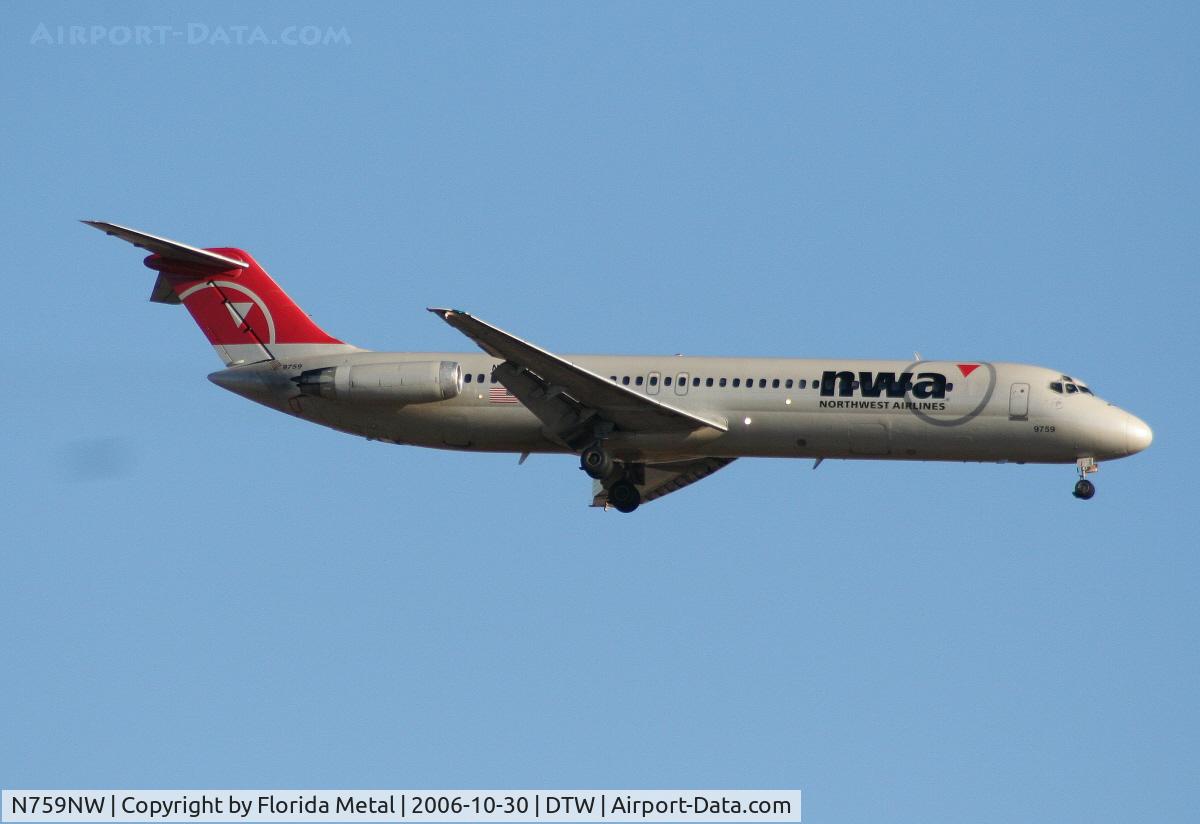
{"x":967,"y":368}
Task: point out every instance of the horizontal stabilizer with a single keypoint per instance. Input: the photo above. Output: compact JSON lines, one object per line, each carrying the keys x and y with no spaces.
{"x":170,"y":249}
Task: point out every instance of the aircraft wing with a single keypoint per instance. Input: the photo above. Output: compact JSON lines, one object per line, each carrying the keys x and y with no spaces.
{"x":567,"y":398}
{"x":665,"y":478}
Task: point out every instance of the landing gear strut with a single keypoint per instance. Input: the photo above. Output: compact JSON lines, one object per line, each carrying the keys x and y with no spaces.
{"x":1085,"y":489}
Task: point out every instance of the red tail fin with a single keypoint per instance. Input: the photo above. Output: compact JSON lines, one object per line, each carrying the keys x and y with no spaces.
{"x":238,"y":306}
{"x":242,"y":311}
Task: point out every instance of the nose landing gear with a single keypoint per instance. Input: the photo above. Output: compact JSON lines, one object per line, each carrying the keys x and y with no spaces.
{"x":1085,"y":489}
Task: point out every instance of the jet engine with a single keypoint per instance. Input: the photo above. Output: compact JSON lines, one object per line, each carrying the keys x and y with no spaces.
{"x":387,"y":383}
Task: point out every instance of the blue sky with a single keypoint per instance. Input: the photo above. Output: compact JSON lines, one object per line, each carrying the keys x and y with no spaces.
{"x":199,"y":592}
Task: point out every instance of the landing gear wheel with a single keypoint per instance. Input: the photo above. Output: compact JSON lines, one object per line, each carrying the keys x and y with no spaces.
{"x":1084,"y":490}
{"x":624,"y":496}
{"x":596,"y":462}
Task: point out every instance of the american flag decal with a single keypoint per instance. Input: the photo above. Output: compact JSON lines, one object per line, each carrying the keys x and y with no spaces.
{"x":498,"y":394}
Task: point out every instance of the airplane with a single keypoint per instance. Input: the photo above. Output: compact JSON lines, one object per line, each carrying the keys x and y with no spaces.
{"x":643,"y":426}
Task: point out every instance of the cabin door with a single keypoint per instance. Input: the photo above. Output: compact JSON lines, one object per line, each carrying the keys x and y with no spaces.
{"x":1018,"y":400}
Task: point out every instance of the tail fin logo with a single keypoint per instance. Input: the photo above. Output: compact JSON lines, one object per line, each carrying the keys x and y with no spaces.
{"x":239,"y":313}
{"x":243,"y":314}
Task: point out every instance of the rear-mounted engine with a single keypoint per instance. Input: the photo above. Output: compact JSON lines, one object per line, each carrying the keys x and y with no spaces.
{"x":387,"y":383}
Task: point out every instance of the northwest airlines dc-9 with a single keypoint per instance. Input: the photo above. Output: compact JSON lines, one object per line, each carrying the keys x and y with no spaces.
{"x":642,"y":426}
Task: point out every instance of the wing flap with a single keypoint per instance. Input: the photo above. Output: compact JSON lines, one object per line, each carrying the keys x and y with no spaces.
{"x":665,"y":478}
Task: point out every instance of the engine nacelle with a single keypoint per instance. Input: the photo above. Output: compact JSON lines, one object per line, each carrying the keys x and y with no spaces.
{"x":391,"y":383}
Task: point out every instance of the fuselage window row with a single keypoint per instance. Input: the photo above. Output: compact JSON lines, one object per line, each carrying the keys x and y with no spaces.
{"x":775,"y":383}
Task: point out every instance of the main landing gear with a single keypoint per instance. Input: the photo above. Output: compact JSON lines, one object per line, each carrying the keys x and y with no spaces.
{"x":619,"y":479}
{"x":1085,"y":489}
{"x":596,"y":462}
{"x":624,"y":496}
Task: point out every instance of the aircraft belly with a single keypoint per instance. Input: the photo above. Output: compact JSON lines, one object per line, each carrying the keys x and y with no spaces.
{"x":438,"y":425}
{"x":868,"y":439}
{"x":894,"y":436}
{"x":487,"y":429}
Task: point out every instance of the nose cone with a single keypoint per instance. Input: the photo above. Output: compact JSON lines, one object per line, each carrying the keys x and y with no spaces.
{"x":1137,"y":434}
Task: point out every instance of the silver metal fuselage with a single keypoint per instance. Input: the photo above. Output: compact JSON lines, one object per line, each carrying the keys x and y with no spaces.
{"x":993,"y":412}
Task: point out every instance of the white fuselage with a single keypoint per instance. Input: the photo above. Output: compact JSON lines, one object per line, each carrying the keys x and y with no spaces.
{"x":773,"y":407}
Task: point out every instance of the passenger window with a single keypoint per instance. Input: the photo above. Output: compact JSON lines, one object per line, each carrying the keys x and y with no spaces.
{"x":775,"y":383}
{"x":612,"y":377}
{"x":696,"y":381}
{"x":800,"y":383}
{"x":467,"y":377}
{"x":654,"y":380}
{"x":722,"y":382}
{"x":639,"y":380}
{"x":737,"y":382}
{"x":762,"y":383}
{"x":625,"y":381}
{"x":788,"y":384}
{"x":666,"y":381}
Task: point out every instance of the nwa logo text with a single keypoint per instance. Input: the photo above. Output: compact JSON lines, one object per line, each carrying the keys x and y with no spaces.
{"x":926,"y":393}
{"x":883,"y":384}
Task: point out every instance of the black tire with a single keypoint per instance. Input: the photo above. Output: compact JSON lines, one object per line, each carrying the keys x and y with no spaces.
{"x":1084,"y":490}
{"x":624,"y":496}
{"x":596,"y":463}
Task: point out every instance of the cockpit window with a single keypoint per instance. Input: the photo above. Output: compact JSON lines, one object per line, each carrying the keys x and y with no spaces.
{"x":1069,"y":386}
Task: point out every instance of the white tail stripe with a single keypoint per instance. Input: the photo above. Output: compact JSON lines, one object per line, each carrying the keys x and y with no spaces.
{"x":235,"y":354}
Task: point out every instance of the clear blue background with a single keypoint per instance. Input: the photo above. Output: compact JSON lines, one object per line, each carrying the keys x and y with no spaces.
{"x":198,"y":592}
